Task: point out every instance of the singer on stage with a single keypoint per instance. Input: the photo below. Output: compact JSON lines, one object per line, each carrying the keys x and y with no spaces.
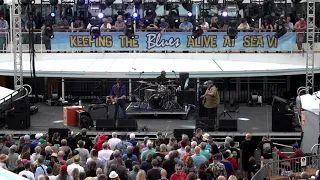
{"x":211,"y":101}
{"x":162,"y":79}
{"x":118,"y":95}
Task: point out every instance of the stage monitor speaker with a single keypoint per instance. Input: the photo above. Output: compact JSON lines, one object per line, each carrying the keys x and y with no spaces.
{"x":105,"y":124}
{"x":17,"y":121}
{"x":279,"y":105}
{"x":127,"y":124}
{"x":177,"y":133}
{"x":184,"y":79}
{"x":282,"y":123}
{"x":62,"y":131}
{"x":22,"y":105}
{"x":228,"y":125}
{"x":205,"y":123}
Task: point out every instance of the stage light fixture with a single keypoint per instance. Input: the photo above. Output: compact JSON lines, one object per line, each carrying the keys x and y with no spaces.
{"x":135,"y":15}
{"x":100,"y":15}
{"x":53,"y":2}
{"x":95,"y":32}
{"x":129,"y":30}
{"x":53,"y":14}
{"x":189,"y":14}
{"x":196,"y":32}
{"x":81,"y":2}
{"x":224,"y":13}
{"x":232,"y":30}
{"x":94,"y":4}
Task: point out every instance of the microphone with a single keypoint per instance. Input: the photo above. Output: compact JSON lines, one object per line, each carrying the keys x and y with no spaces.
{"x":175,"y":75}
{"x":141,"y":74}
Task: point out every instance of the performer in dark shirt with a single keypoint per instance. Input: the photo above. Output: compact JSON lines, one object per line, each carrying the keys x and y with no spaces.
{"x":117,"y":95}
{"x":162,"y":78}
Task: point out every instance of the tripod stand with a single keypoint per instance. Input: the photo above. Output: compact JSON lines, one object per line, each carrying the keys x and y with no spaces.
{"x":225,"y":112}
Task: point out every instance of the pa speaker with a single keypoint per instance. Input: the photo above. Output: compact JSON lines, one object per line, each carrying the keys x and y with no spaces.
{"x":282,"y":123}
{"x":99,"y":113}
{"x":177,"y":133}
{"x":205,"y":123}
{"x":17,"y":121}
{"x":228,"y":125}
{"x":127,"y":124}
{"x":105,"y":124}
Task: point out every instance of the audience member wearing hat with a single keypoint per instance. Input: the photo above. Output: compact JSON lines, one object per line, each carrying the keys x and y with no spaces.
{"x":113,"y":175}
{"x":101,"y":139}
{"x":3,"y":159}
{"x":64,"y":173}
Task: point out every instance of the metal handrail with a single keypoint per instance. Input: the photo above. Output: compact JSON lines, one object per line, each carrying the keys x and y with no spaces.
{"x":312,"y":148}
{"x":287,"y":167}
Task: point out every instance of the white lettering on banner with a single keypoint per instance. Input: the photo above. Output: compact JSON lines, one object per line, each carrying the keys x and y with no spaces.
{"x":154,"y":40}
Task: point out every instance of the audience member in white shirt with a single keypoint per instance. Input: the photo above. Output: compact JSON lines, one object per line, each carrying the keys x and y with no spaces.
{"x":244,"y":25}
{"x":49,"y":173}
{"x":113,"y":141}
{"x":106,"y":26}
{"x":75,"y":165}
{"x":27,"y":172}
{"x":105,"y":153}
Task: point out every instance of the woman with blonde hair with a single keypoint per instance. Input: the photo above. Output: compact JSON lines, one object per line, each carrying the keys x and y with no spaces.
{"x":232,"y":177}
{"x":141,"y":175}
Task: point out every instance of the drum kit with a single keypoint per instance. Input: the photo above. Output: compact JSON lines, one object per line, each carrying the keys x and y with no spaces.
{"x":155,"y":96}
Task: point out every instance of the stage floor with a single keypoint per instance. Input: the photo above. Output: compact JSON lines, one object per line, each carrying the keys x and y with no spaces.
{"x":259,"y":122}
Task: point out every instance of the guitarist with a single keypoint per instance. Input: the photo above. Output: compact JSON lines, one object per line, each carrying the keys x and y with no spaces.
{"x":211,"y":101}
{"x":118,"y":95}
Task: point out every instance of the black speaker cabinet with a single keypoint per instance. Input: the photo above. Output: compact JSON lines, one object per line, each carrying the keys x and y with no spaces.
{"x":205,"y":123}
{"x":228,"y":125}
{"x":127,"y":124}
{"x":17,"y":121}
{"x":22,"y":105}
{"x":188,"y":97}
{"x":282,"y":123}
{"x":184,"y":79}
{"x":62,"y":131}
{"x":105,"y":124}
{"x":99,"y":113}
{"x":177,"y":133}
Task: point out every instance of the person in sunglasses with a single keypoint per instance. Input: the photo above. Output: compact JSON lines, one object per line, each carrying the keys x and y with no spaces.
{"x":178,"y":175}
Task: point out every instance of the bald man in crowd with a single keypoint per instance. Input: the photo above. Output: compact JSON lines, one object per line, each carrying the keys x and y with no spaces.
{"x":247,"y":147}
{"x":198,"y":159}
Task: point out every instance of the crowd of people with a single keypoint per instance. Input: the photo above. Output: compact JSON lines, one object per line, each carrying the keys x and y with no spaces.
{"x":122,"y":157}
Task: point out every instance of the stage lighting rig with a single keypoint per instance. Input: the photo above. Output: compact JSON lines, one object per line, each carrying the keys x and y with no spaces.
{"x":129,"y":30}
{"x":232,"y":13}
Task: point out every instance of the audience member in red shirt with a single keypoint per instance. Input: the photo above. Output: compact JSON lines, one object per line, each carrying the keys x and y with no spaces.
{"x":297,"y":153}
{"x":102,"y":138}
{"x":178,"y":175}
{"x":189,"y":154}
{"x":232,"y":160}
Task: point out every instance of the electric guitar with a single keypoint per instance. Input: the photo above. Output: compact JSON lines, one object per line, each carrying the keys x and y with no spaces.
{"x":116,"y":99}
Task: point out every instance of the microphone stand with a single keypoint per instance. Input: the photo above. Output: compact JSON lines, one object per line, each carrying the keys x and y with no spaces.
{"x":175,"y":75}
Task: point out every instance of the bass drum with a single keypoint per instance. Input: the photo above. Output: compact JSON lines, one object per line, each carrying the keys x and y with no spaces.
{"x":156,"y":101}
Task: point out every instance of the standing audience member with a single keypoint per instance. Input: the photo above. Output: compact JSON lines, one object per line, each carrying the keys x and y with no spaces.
{"x":63,"y":175}
{"x":154,"y":173}
{"x":12,"y":158}
{"x":87,"y":141}
{"x":134,"y":172}
{"x":113,"y":141}
{"x":105,"y":154}
{"x":248,"y":147}
{"x":198,"y":158}
{"x":178,"y":175}
{"x":41,"y":168}
{"x":101,"y":139}
{"x":217,"y":167}
{"x":123,"y":144}
{"x":27,"y":171}
{"x":132,"y":140}
{"x":83,"y":152}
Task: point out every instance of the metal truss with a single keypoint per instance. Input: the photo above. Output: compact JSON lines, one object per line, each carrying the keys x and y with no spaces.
{"x":310,"y":45}
{"x":17,"y":43}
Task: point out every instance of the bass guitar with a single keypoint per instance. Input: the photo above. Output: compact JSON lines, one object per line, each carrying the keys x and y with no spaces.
{"x":116,"y":99}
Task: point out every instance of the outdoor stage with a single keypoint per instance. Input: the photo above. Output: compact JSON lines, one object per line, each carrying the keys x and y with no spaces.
{"x":259,"y":122}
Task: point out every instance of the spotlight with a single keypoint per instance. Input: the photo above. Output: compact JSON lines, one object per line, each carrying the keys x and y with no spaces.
{"x":95,"y":32}
{"x":196,"y":32}
{"x":100,"y":15}
{"x":224,"y":13}
{"x":135,"y":15}
{"x":53,"y":14}
{"x":189,"y":14}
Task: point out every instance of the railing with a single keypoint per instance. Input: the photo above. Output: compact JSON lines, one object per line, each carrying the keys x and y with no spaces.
{"x":253,"y":40}
{"x":283,"y":168}
{"x":7,"y":102}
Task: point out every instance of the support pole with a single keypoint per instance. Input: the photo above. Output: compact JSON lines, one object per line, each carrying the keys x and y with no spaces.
{"x":62,"y":90}
{"x":15,"y":22}
{"x":310,"y":45}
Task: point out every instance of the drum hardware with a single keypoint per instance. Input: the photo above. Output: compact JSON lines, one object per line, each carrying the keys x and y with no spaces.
{"x":151,"y":85}
{"x":151,"y":90}
{"x":170,"y":81}
{"x":142,"y":82}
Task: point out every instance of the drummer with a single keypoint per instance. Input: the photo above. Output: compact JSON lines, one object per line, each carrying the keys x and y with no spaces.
{"x":162,"y":79}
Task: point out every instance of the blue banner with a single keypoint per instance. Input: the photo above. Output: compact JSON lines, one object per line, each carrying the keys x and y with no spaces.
{"x":173,"y":41}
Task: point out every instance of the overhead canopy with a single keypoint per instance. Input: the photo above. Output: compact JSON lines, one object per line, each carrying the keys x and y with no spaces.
{"x":311,"y":102}
{"x":5,"y":92}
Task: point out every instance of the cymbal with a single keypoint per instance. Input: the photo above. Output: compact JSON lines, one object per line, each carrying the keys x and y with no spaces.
{"x":152,"y":85}
{"x":170,"y":81}
{"x":151,"y":90}
{"x":142,"y":82}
